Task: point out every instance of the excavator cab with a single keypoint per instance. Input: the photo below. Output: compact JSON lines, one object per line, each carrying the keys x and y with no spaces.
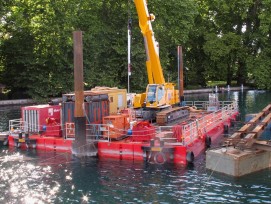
{"x":155,"y":95}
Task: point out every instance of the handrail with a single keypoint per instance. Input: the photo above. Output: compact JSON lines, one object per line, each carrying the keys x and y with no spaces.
{"x":16,"y":125}
{"x":204,"y":104}
{"x":190,"y":131}
{"x":203,"y":125}
{"x":69,"y":131}
{"x":94,"y":132}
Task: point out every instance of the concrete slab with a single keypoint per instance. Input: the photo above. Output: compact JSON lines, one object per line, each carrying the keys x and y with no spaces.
{"x":233,"y":162}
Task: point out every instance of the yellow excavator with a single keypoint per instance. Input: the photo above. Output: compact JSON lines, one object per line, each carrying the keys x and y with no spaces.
{"x":159,"y":94}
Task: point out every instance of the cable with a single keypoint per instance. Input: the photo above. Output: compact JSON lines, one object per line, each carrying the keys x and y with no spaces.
{"x":208,"y":178}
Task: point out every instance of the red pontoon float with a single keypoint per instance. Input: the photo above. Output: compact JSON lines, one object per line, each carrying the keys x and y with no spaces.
{"x":122,"y":135}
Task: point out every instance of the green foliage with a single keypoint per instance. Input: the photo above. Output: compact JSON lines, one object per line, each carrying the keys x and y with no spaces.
{"x":221,"y":40}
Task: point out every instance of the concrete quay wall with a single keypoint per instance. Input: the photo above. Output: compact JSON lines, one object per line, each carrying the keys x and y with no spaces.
{"x":16,"y":102}
{"x":196,"y":91}
{"x":210,"y":90}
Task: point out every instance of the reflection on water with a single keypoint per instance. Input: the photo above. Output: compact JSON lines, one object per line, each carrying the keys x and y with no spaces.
{"x":22,"y":181}
{"x":40,"y":177}
{"x":49,"y":177}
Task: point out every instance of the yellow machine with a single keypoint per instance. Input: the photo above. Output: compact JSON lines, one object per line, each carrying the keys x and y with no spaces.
{"x":159,"y":94}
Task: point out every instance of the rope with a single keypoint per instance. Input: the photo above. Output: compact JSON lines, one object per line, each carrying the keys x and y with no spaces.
{"x":208,"y":178}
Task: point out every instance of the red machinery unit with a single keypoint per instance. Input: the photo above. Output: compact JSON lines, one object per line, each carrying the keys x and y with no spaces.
{"x":44,"y":119}
{"x":118,"y":126}
{"x":143,"y":131}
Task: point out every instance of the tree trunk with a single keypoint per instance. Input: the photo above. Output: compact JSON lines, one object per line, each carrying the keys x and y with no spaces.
{"x":229,"y":74}
{"x":241,"y":73}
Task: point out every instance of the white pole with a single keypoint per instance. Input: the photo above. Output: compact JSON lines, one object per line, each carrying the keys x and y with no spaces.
{"x":129,"y":56}
{"x":229,"y":88}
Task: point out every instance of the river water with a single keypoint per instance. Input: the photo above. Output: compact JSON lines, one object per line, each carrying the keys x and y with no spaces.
{"x":49,"y":177}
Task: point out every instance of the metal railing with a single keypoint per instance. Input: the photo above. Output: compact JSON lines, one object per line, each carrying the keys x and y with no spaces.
{"x":204,"y":104}
{"x":16,"y":126}
{"x":190,"y":131}
{"x":193,"y":130}
{"x":94,"y":132}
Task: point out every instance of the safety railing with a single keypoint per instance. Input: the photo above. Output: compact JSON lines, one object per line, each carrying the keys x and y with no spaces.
{"x":208,"y":122}
{"x":94,"y":132}
{"x":204,"y":104}
{"x":69,"y":131}
{"x":190,"y":131}
{"x":16,"y":125}
{"x":201,"y":126}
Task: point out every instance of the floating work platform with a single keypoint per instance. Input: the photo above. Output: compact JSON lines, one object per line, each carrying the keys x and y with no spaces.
{"x":179,"y":143}
{"x":123,"y":136}
{"x":165,"y":147}
{"x":243,"y":153}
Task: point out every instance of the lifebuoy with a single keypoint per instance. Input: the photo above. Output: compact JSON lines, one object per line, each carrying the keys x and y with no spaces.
{"x":190,"y":157}
{"x":159,"y":158}
{"x":208,"y":141}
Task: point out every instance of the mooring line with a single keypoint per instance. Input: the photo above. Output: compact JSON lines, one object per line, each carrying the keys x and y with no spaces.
{"x":208,"y":178}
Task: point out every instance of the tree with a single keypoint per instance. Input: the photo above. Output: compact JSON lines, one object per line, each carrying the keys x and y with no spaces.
{"x":234,"y":38}
{"x":259,"y":64}
{"x":172,"y":26}
{"x":222,"y":40}
{"x":35,"y":53}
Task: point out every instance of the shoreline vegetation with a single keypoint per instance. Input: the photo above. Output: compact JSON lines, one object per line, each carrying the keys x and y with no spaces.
{"x":194,"y":91}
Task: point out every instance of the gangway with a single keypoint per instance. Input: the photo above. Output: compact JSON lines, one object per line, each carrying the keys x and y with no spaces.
{"x":247,"y":136}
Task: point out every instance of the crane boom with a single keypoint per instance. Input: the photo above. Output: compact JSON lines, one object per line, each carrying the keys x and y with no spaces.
{"x":154,"y":68}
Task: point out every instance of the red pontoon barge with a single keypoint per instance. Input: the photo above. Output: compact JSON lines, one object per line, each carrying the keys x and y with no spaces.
{"x":123,"y":135}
